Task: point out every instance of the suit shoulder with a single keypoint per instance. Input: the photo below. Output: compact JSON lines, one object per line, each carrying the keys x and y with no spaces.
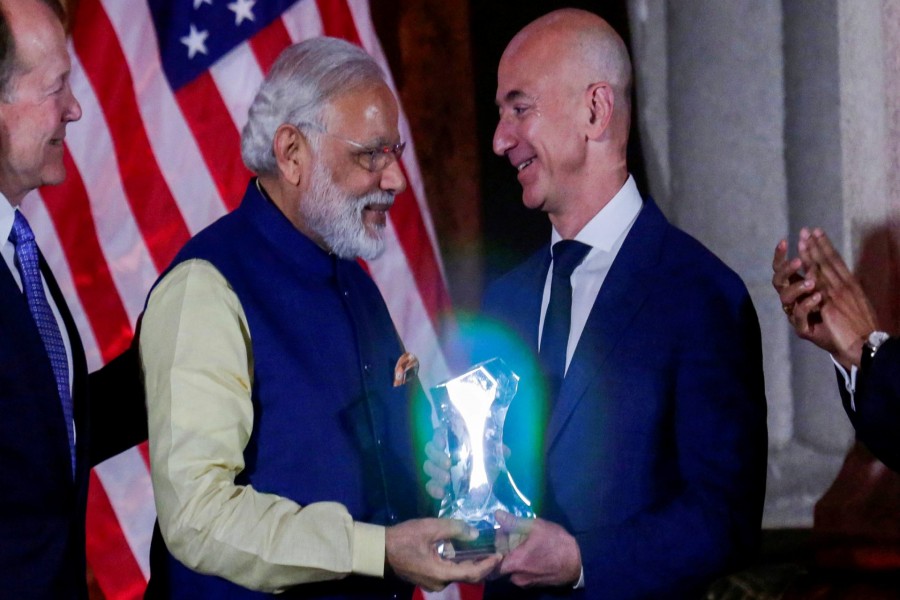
{"x":211,"y":238}
{"x":514,"y":280}
{"x":692,"y":263}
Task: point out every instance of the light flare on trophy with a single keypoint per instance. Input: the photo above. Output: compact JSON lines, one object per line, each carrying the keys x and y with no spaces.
{"x":473,"y":408}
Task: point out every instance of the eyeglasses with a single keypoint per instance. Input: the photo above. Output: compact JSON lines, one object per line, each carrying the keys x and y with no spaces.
{"x":371,"y":159}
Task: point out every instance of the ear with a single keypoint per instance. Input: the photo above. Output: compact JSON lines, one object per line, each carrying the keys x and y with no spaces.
{"x":292,"y":154}
{"x":601,"y":102}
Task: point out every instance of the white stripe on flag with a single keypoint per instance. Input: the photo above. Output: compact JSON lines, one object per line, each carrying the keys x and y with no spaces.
{"x":172,"y":141}
{"x":398,"y":287}
{"x":303,"y":21}
{"x":91,"y":146}
{"x":451,"y":592}
{"x":237,"y":92}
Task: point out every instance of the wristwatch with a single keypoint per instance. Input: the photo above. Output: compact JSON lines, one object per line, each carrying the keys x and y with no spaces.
{"x":870,"y":347}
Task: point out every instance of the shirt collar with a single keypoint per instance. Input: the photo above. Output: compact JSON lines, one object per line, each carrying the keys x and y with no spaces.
{"x":608,"y":225}
{"x":7,"y":216}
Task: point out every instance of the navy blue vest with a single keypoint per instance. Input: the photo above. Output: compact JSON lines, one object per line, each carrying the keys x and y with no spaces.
{"x":328,"y":423}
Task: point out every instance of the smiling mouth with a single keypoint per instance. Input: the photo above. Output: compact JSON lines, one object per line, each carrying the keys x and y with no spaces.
{"x":379,"y":213}
{"x":380,"y":207}
{"x":522,"y":165}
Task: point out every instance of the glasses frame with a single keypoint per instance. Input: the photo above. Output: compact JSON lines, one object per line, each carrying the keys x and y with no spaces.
{"x":367,"y":156}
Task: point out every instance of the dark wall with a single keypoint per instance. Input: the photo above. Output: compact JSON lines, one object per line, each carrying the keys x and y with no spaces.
{"x":510,"y":232}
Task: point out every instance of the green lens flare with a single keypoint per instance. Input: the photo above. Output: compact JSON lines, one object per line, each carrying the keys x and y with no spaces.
{"x":476,"y":339}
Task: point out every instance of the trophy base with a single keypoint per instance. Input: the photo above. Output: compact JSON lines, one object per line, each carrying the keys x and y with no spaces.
{"x":486,"y":544}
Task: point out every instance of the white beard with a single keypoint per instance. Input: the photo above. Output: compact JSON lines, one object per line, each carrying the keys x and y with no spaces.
{"x":337,"y":217}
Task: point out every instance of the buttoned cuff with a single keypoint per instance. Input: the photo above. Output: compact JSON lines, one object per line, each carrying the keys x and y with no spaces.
{"x":368,"y":549}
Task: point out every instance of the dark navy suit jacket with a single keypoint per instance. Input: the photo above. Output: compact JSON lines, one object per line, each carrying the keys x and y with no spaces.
{"x":655,"y":452}
{"x":877,"y":414}
{"x":42,"y":507}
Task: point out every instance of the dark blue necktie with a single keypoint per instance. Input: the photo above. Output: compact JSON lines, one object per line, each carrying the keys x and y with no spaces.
{"x":27,"y":258}
{"x":567,"y":255}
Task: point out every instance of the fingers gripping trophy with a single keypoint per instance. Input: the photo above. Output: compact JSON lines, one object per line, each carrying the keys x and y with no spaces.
{"x":472,"y":407}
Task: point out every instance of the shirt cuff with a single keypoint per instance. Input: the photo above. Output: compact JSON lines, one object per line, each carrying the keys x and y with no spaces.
{"x":368,"y":550}
{"x":849,"y":381}
{"x":580,"y":583}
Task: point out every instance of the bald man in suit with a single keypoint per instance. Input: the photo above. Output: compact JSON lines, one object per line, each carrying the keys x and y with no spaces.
{"x":655,"y":443}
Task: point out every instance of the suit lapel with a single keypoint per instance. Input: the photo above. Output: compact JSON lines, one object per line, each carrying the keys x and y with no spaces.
{"x":79,"y":365}
{"x":515,"y":300}
{"x":534,"y":294}
{"x":78,"y":358}
{"x":21,"y":325}
{"x":624,"y":291}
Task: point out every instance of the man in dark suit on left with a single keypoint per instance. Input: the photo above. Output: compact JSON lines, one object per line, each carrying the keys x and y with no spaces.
{"x":50,"y":434}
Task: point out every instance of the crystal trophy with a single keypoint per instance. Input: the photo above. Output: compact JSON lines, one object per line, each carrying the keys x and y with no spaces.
{"x":473,"y":407}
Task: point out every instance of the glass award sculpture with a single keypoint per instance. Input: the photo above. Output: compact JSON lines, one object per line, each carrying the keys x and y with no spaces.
{"x":473,"y":407}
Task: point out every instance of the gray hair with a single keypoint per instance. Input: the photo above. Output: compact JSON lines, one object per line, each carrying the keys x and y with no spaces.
{"x":303,"y":81}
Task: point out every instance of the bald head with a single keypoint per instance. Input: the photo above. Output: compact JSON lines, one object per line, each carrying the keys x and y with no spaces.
{"x":563,"y":93}
{"x":582,"y":42}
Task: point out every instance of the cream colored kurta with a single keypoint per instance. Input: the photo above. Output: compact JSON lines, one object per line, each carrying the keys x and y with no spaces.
{"x":198,"y":364}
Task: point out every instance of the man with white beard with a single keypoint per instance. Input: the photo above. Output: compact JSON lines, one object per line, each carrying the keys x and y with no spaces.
{"x":279,"y":436}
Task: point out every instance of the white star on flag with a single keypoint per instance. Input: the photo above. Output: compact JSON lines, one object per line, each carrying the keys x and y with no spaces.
{"x":195,"y":41}
{"x":242,"y":9}
{"x":198,"y":3}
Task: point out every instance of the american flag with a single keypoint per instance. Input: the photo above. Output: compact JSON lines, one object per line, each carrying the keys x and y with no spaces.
{"x":165,"y":86}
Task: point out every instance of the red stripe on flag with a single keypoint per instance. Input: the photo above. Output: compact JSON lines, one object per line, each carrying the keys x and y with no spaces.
{"x":144,"y":449}
{"x":70,"y":211}
{"x":108,"y":551}
{"x":467,"y":591}
{"x":470,"y":591}
{"x":269,"y":42}
{"x":154,"y":208}
{"x":413,"y":237}
{"x":217,"y":135}
{"x":337,"y":20}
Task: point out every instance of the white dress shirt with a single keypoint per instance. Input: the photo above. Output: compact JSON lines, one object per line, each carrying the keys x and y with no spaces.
{"x":8,"y":250}
{"x":605,"y":233}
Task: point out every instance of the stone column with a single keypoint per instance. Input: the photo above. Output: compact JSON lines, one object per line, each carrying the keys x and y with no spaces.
{"x":750,"y":139}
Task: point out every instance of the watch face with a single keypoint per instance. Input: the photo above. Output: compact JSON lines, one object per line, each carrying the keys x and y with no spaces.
{"x":876,"y":339}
